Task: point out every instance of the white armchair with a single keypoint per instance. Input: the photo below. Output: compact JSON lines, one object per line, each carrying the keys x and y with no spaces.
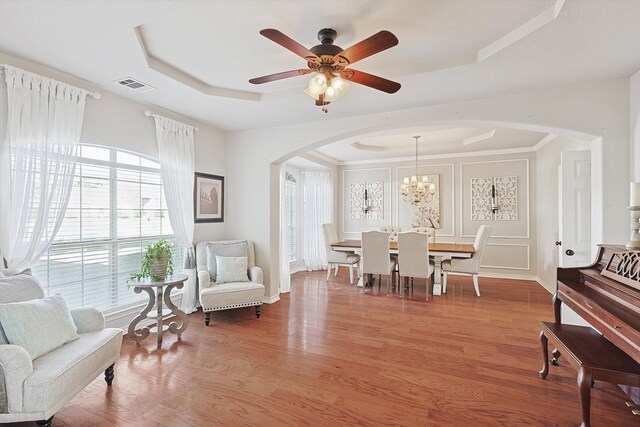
{"x":224,"y":296}
{"x":34,"y":390}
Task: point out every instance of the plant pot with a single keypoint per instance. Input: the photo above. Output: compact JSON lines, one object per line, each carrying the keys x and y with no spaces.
{"x":159,"y":266}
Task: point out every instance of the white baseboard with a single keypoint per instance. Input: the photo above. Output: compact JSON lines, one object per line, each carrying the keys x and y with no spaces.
{"x":297,"y":269}
{"x":271,"y":300}
{"x":501,"y":276}
{"x":541,"y":282}
{"x":545,"y":285}
{"x":509,"y":276}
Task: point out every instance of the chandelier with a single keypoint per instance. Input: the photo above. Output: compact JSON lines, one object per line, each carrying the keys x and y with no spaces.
{"x":417,"y":188}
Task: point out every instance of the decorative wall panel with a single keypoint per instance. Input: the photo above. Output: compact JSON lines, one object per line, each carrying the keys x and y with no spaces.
{"x":427,"y":213}
{"x":481,"y":199}
{"x":506,"y":192}
{"x":507,"y":197}
{"x":373,"y":208}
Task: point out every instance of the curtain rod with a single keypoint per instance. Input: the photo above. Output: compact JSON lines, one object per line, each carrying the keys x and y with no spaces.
{"x":94,"y":95}
{"x":150,"y":114}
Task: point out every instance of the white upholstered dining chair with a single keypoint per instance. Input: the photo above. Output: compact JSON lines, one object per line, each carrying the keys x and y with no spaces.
{"x":376,"y":259}
{"x":429,"y":231}
{"x":392,"y":232}
{"x":338,"y":258}
{"x":470,"y":266}
{"x":413,"y":258}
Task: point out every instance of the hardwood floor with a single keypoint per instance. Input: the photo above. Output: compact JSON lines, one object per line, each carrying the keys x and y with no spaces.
{"x":329,"y":355}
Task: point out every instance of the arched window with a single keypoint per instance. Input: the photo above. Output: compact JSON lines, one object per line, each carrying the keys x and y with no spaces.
{"x":117,"y":207}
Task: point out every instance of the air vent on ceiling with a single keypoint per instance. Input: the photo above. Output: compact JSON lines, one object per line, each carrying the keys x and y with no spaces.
{"x":134,"y":84}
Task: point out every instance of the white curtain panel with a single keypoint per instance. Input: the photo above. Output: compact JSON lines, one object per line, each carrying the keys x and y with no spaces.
{"x":318,"y":208}
{"x":38,"y":158}
{"x":285,"y":273}
{"x":177,"y":168}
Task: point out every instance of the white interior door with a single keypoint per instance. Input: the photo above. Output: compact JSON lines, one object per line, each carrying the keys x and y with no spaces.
{"x":574,"y":193}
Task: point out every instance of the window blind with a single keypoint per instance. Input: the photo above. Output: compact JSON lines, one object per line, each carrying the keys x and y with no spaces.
{"x":116,"y":209}
{"x":290,"y":195}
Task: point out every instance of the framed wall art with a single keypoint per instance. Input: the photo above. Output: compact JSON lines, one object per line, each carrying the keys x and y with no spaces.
{"x":208,"y":198}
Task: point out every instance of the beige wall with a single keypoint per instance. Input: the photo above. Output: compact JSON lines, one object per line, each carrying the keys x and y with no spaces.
{"x":511,"y":251}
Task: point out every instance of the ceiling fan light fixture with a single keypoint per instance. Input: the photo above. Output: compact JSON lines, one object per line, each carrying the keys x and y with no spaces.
{"x":317,"y":85}
{"x":332,"y":90}
{"x":335,"y":92}
{"x":330,"y":63}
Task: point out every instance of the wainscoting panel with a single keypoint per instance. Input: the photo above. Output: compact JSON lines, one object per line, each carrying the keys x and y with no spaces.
{"x":507,"y":256}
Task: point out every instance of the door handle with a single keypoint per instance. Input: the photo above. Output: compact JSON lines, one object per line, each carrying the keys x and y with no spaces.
{"x":558,"y":243}
{"x":569,"y":252}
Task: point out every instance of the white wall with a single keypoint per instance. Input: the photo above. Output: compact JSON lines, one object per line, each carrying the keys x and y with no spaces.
{"x":609,"y":110}
{"x":586,"y":111}
{"x":634,"y":122}
{"x":119,"y":122}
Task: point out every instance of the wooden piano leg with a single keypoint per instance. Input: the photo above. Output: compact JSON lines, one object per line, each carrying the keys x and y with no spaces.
{"x":584,"y":385}
{"x":545,"y":355}
{"x":556,"y":355}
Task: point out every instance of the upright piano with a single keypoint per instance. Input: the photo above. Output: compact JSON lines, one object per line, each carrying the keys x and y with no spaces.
{"x":607,"y":295}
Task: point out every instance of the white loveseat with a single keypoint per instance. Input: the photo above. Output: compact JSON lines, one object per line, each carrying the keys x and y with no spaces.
{"x":224,"y":296}
{"x":34,"y":390}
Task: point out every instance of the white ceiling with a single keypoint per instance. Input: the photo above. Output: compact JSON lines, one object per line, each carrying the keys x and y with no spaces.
{"x":433,"y":141}
{"x":217,"y":42}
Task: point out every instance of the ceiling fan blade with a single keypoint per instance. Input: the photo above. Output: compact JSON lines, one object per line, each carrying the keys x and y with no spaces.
{"x":367,"y":47}
{"x":279,"y":76}
{"x":370,"y":80}
{"x":288,"y":43}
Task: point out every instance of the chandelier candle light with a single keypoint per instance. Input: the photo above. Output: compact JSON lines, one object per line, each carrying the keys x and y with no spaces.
{"x":417,"y":188}
{"x":634,"y":211}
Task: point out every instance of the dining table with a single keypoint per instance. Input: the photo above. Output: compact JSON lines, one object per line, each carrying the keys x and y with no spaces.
{"x":439,"y":252}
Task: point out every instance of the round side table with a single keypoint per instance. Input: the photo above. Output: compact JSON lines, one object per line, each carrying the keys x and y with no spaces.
{"x":156,"y":291}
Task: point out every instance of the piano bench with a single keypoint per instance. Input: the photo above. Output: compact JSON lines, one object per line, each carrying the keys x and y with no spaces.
{"x":595,"y":358}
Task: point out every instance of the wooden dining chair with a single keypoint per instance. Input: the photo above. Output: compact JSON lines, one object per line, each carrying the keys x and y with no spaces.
{"x":470,"y":266}
{"x":376,"y":258}
{"x":413,"y":258}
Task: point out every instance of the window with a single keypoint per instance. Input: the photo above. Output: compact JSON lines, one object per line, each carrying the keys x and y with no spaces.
{"x":117,"y":207}
{"x":290,"y":196}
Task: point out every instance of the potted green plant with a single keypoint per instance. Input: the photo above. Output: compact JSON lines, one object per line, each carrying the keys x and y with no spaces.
{"x":157,"y":262}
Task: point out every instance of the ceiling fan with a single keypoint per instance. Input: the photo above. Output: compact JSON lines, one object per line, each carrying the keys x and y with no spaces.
{"x":329,"y":63}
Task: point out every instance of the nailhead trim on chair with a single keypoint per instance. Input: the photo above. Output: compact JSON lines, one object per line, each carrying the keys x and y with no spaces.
{"x":226,"y":307}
